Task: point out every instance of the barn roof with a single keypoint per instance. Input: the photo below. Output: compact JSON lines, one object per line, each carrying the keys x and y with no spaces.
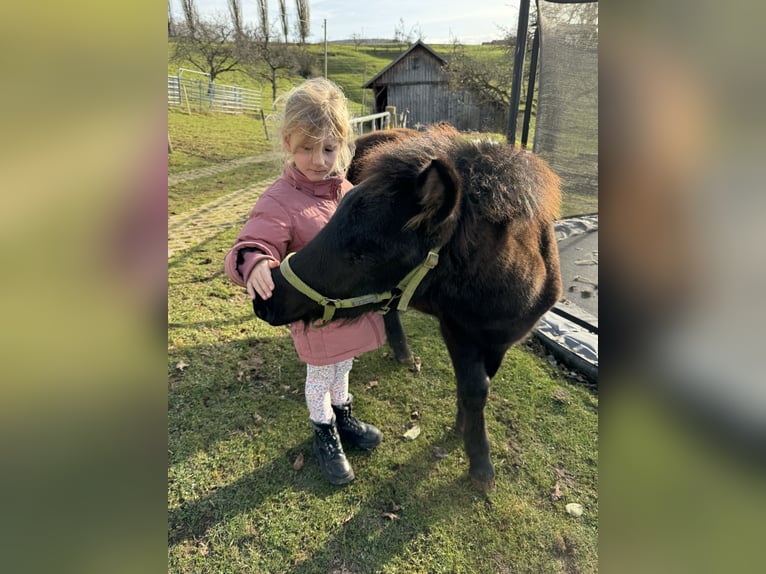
{"x":416,"y":45}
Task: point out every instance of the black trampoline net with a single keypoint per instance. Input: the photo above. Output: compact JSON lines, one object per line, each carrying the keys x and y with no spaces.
{"x":566,"y":127}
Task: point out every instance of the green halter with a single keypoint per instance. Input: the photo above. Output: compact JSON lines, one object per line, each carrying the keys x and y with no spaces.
{"x":404,"y":289}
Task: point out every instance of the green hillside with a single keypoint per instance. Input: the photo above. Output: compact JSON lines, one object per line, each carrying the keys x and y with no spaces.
{"x":200,"y":140}
{"x":348,"y":65}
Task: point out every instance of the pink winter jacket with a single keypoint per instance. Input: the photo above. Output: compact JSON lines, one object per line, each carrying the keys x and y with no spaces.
{"x":285,"y":218}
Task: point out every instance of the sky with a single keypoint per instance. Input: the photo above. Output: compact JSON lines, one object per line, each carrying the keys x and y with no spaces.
{"x":440,"y":21}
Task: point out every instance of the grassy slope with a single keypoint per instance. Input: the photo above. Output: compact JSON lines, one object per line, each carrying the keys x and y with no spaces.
{"x":237,"y":421}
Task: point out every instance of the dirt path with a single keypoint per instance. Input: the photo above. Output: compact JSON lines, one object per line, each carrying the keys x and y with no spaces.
{"x":191,"y":228}
{"x":215,"y":169}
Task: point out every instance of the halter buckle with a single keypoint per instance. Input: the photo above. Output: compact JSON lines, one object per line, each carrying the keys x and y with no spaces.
{"x":432,"y":259}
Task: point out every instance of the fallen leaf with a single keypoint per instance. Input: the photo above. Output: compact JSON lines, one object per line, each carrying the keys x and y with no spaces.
{"x":574,"y":509}
{"x":391,"y":516}
{"x":298,"y":464}
{"x":371,"y":385}
{"x":439,"y":452}
{"x":181,"y":365}
{"x":203,"y":548}
{"x":413,"y":433}
{"x":556,"y":492}
{"x":561,"y":395}
{"x":416,"y":364}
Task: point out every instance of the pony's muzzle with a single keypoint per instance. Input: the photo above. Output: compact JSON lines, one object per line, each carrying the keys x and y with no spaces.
{"x":262,"y":309}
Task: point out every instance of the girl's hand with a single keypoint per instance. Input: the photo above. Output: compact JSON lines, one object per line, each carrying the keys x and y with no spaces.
{"x":260,"y":280}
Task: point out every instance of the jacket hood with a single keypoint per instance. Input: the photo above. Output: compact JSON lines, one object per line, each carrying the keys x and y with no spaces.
{"x":329,"y":188}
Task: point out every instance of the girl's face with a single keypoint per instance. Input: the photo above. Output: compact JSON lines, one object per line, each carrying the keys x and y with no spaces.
{"x":314,"y":158}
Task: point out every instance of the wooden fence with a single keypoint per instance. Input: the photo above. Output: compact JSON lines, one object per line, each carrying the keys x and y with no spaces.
{"x":381,"y":121}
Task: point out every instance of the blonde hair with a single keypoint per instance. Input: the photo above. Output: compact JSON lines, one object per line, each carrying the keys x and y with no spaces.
{"x":316,"y":110}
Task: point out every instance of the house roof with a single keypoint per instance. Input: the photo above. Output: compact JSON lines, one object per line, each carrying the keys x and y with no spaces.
{"x":403,"y":55}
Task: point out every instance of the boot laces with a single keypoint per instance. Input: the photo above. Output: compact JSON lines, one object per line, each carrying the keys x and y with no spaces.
{"x":329,"y":440}
{"x":350,"y":422}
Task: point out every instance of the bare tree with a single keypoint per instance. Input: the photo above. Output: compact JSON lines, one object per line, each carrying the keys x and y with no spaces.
{"x":170,"y":21}
{"x":283,"y":18}
{"x":402,"y":36}
{"x":357,"y":40}
{"x":264,"y":28}
{"x":264,"y":60}
{"x":191,"y":15}
{"x":207,"y":44}
{"x":489,"y":80}
{"x":399,"y":33}
{"x":304,"y":20}
{"x":417,"y":33}
{"x":235,"y":12}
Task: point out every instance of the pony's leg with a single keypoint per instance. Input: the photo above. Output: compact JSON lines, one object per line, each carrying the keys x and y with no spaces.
{"x":493,"y":357}
{"x":397,"y":339}
{"x":472,"y":390}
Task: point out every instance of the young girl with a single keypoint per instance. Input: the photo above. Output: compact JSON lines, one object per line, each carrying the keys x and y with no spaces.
{"x":286,"y":217}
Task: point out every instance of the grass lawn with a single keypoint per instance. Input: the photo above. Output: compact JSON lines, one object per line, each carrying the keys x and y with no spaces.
{"x":237,"y":422}
{"x":240,"y":501}
{"x":200,"y":140}
{"x":197,"y":192}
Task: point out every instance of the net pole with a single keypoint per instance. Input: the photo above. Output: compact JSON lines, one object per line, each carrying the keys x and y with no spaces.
{"x":518,"y":69}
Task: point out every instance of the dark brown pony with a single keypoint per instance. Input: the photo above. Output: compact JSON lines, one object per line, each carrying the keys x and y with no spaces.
{"x":489,"y":208}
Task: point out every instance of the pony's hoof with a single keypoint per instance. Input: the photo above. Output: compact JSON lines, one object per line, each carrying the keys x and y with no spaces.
{"x":485,"y":486}
{"x":413,"y":363}
{"x":483,"y":481}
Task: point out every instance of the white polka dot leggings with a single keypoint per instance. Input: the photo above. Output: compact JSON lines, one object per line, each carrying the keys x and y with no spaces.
{"x":325,"y":386}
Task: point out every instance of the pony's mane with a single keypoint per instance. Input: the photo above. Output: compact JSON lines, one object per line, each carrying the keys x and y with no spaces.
{"x":500,"y":182}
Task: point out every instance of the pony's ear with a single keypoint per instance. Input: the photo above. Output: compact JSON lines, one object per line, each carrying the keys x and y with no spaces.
{"x":438,"y":191}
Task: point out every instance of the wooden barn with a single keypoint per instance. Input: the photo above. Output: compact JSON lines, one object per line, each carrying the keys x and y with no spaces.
{"x":417,"y":85}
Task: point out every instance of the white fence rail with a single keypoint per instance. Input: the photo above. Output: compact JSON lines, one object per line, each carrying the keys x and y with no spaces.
{"x":380,"y":121}
{"x":202,"y":95}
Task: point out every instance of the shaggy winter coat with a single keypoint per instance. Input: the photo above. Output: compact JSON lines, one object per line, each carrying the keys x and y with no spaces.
{"x":285,"y":218}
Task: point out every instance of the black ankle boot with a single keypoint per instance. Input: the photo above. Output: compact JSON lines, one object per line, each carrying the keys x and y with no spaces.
{"x":353,"y":431}
{"x":329,"y":452}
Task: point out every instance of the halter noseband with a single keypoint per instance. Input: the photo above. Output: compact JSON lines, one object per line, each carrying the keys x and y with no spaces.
{"x":403,"y":290}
